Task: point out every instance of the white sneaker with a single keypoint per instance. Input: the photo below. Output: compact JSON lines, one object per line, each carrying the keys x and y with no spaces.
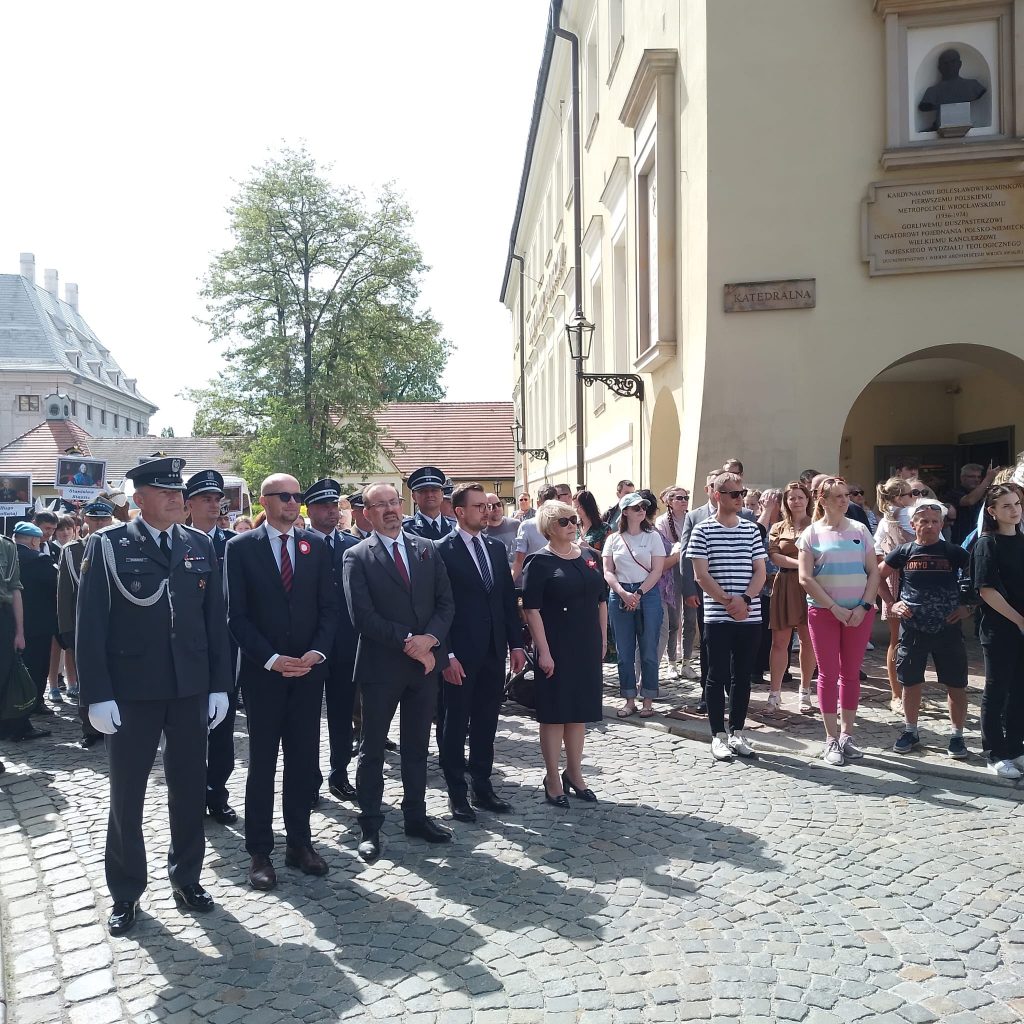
{"x":832,"y":754}
{"x":805,"y":702}
{"x":1004,"y":769}
{"x":687,"y":672}
{"x":849,"y":750}
{"x":720,"y":748}
{"x":738,"y":745}
{"x":774,"y":702}
{"x":1019,"y":763}
{"x":870,"y":646}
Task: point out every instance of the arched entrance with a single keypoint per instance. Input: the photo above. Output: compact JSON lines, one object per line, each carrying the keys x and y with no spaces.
{"x":946,"y":406}
{"x":664,"y":461}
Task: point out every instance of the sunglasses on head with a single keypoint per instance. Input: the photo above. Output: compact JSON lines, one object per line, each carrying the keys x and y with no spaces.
{"x":566,"y":520}
{"x":734,"y":494}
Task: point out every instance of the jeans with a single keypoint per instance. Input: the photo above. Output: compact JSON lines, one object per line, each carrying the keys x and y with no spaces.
{"x":1002,"y":703}
{"x":839,"y":651}
{"x":732,"y":647}
{"x":668,"y":637}
{"x":628,"y":637}
{"x":689,"y":630}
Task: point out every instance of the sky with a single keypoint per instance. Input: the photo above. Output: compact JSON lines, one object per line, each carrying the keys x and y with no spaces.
{"x":127,"y":127}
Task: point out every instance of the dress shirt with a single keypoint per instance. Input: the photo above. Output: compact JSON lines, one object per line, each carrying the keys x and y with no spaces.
{"x":155,"y":533}
{"x":275,"y":536}
{"x":332,"y":537}
{"x":389,"y":547}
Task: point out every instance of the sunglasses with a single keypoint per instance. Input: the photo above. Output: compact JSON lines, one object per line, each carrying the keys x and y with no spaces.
{"x":918,"y":494}
{"x":680,"y":497}
{"x":285,"y":496}
{"x":856,"y":494}
{"x":734,"y":494}
{"x":566,"y":520}
{"x":492,"y":505}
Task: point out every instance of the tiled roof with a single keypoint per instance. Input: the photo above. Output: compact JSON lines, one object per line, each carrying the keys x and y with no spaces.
{"x":122,"y":453}
{"x":37,"y":450}
{"x":38,"y":331}
{"x":463,"y":439}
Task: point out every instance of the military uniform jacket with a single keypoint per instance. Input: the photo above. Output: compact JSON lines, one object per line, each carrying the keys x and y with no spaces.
{"x":69,"y":571}
{"x":420,"y":526}
{"x":150,"y":628}
{"x":345,"y":636}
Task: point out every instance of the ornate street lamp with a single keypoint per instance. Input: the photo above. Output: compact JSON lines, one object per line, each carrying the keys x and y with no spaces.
{"x":580,"y":334}
{"x":517,"y":439}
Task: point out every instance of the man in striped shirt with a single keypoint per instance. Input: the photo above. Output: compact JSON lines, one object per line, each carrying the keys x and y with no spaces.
{"x":729,"y":566}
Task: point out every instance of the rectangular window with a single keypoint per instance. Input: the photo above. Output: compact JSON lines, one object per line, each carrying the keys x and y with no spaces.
{"x":597,"y":348}
{"x":74,"y":407}
{"x":615,"y":35}
{"x":620,"y":311}
{"x":28,"y":403}
{"x":592,"y":95}
{"x":116,"y":418}
{"x":103,"y":416}
{"x":127,"y":425}
{"x":138,"y":428}
{"x":88,"y":412}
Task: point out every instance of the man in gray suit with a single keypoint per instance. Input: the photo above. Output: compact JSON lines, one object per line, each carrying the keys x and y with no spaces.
{"x":401,"y":605}
{"x":691,"y":592}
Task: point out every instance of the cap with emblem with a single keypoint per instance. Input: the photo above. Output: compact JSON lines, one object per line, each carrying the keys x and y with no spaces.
{"x":324,"y":491}
{"x":355,"y":499}
{"x":27,"y":530}
{"x":206,"y":481}
{"x":164,"y":473}
{"x":99,"y":510}
{"x":449,"y":487}
{"x":426,"y":476}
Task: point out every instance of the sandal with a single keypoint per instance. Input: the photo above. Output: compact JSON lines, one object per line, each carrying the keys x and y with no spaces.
{"x":647,"y":713}
{"x":626,"y":712}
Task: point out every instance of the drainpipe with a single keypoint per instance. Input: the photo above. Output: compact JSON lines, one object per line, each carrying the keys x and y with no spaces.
{"x":522,"y":357}
{"x":577,"y":225}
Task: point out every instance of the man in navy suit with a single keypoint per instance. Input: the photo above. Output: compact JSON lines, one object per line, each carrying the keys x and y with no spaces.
{"x":340,"y":688}
{"x":282,"y":613}
{"x":486,"y":625}
{"x":203,"y":494}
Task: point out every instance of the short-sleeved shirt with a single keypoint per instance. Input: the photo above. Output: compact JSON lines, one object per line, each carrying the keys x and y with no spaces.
{"x":529,"y":538}
{"x":839,"y":561}
{"x":731,"y":552}
{"x":632,"y":554}
{"x":931,"y":582}
{"x":506,"y":531}
{"x":997,"y":561}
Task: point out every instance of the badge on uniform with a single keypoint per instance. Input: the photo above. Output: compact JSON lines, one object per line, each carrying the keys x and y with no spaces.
{"x":135,"y":586}
{"x":304,"y":548}
{"x":85,"y":565}
{"x":202,"y":582}
{"x":188,"y":563}
{"x":124,"y":542}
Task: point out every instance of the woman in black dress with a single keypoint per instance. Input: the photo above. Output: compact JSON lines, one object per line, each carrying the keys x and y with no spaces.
{"x":565,"y":600}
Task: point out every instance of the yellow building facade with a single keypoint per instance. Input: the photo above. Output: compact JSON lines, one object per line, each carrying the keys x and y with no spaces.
{"x":806,"y":268}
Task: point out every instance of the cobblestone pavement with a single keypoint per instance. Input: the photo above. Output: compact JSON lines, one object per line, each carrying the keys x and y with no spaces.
{"x":775,"y":890}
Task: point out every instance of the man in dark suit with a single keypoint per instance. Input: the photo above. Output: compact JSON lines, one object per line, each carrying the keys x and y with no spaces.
{"x":485,"y":626}
{"x":427,"y":487}
{"x":203,"y":494}
{"x":151,"y":647}
{"x":340,"y":689}
{"x":39,"y":601}
{"x":401,"y":605}
{"x":282,"y":613}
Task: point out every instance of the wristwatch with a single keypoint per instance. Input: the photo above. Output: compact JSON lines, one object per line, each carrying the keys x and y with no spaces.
{"x":749,"y":600}
{"x":867,"y":607}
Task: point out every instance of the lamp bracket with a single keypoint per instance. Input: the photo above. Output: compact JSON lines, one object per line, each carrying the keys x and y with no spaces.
{"x":534,"y":453}
{"x":626,"y":385}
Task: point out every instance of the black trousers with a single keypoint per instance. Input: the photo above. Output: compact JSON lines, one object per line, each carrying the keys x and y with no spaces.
{"x":732,"y":647}
{"x":37,"y":660}
{"x":340,"y":691}
{"x":472,"y":709}
{"x":282,"y":715}
{"x":416,"y":696}
{"x":12,"y":728}
{"x":220,"y":755}
{"x":762,"y":658}
{"x":131,"y":752}
{"x":1002,"y":703}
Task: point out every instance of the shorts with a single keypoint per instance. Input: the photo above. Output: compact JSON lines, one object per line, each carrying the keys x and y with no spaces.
{"x":948,"y":651}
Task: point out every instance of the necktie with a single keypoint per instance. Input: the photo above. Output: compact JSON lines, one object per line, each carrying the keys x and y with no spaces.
{"x":484,"y":565}
{"x":435,"y":531}
{"x":286,"y":565}
{"x":165,"y":545}
{"x":396,"y":551}
{"x":330,"y":541}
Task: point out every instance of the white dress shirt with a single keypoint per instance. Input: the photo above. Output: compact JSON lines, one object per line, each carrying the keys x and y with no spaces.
{"x":467,"y":539}
{"x":275,"y":536}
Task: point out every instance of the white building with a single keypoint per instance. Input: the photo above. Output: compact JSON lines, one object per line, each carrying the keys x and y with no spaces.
{"x":46,"y":348}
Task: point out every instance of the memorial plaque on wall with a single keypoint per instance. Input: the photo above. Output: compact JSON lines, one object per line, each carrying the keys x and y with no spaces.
{"x":943,"y":225}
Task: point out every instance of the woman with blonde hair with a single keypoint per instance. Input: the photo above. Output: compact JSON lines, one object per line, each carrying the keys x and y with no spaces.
{"x":788,"y":607}
{"x":893,"y":497}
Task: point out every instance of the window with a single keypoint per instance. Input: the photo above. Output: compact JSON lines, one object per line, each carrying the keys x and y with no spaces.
{"x":620,"y":313}
{"x":593,"y":86}
{"x":88,"y":412}
{"x":615,"y":35}
{"x":28,"y":403}
{"x":138,"y":428}
{"x":127,"y":425}
{"x":74,"y":407}
{"x":103,"y":416}
{"x":597,"y":346}
{"x":116,"y":417}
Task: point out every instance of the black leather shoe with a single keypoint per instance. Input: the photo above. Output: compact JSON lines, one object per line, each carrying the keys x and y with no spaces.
{"x":262,"y":875}
{"x":391,"y":746}
{"x":461,"y":811}
{"x":42,"y":709}
{"x":306,"y":859}
{"x":584,"y":794}
{"x":193,"y":897}
{"x":31,"y":733}
{"x":369,"y":848}
{"x":87,"y":742}
{"x":122,"y":917}
{"x":341,"y":788}
{"x":316,"y":799}
{"x":491,"y":802}
{"x":429,"y":830}
{"x":702,"y":707}
{"x":223,"y":815}
{"x":561,"y":800}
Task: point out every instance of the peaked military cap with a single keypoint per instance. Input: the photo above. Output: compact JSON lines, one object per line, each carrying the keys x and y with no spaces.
{"x":426,"y":476}
{"x":449,"y":487}
{"x":206,"y":481}
{"x":99,"y":509}
{"x":323,"y":492}
{"x":355,"y":499}
{"x":164,"y":473}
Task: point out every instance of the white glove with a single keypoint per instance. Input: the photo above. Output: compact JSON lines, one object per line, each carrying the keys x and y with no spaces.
{"x":218,"y":709}
{"x":105,"y":717}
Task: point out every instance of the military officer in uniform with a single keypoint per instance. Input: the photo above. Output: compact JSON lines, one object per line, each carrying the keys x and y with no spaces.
{"x":427,"y":486}
{"x":203,"y":495}
{"x":321,"y":501}
{"x":447,"y":509}
{"x":98,"y":515}
{"x":360,"y":528}
{"x":152,"y":654}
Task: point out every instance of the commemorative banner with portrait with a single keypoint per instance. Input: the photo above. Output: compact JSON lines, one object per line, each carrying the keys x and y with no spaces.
{"x":80,"y":477}
{"x":15,"y":494}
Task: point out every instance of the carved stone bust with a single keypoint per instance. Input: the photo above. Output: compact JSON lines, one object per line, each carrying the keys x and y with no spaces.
{"x":951,"y":88}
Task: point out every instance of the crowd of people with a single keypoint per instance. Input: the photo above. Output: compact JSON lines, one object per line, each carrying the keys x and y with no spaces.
{"x":163,"y":625}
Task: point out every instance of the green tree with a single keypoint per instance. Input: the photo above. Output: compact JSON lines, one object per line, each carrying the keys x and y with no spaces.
{"x":167,"y":432}
{"x":318,"y":299}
